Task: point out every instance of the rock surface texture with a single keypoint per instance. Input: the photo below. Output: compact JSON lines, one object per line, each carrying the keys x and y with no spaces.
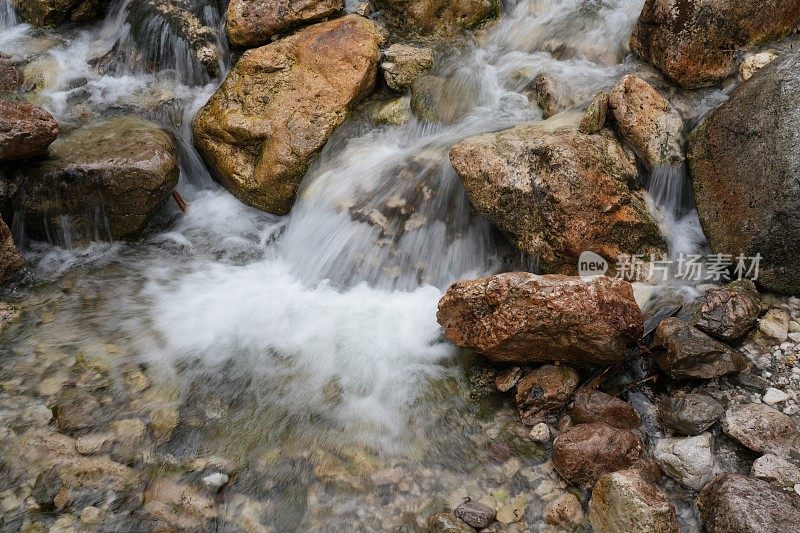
{"x":729,"y":312}
{"x":623,"y":502}
{"x":280,"y":104}
{"x":53,"y":12}
{"x":594,"y":406}
{"x":25,"y":130}
{"x":542,"y":393}
{"x":11,"y":260}
{"x":440,"y":18}
{"x":683,"y":351}
{"x":254,"y":22}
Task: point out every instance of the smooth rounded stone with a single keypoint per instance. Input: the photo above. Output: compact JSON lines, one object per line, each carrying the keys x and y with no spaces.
{"x":647,"y":121}
{"x":736,"y":503}
{"x":279,"y":105}
{"x":54,"y":12}
{"x":448,"y":523}
{"x":544,"y":392}
{"x":729,"y":312}
{"x":774,"y":396}
{"x":683,"y":351}
{"x":25,"y":130}
{"x":107,"y":179}
{"x":556,"y":192}
{"x":760,"y":428}
{"x":775,"y":324}
{"x":438,"y":18}
{"x":726,"y":143}
{"x":595,"y":116}
{"x":689,"y":414}
{"x":777,"y":470}
{"x":255,"y":22}
{"x":591,"y":405}
{"x":394,"y":112}
{"x":523,"y":318}
{"x":75,"y":409}
{"x":755,"y":62}
{"x":403,"y":64}
{"x":11,"y":260}
{"x":540,"y":432}
{"x":566,"y":510}
{"x":696,"y":42}
{"x":475,"y":514}
{"x":689,"y":460}
{"x":215,"y":480}
{"x":623,"y":502}
{"x":547,"y":94}
{"x":585,"y":452}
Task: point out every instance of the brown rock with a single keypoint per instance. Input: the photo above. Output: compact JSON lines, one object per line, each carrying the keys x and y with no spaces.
{"x":760,"y":428}
{"x":683,"y":351}
{"x":647,"y":121}
{"x":729,"y":312}
{"x":280,"y":103}
{"x":75,"y":409}
{"x":696,"y":42}
{"x":624,"y":501}
{"x":437,"y":17}
{"x":25,"y":130}
{"x":544,"y":392}
{"x":524,"y":318}
{"x":592,"y":405}
{"x":586,"y":452}
{"x":254,"y":22}
{"x":557,"y":193}
{"x":595,"y":116}
{"x":736,"y":503}
{"x":507,"y":379}
{"x":11,"y":260}
{"x":53,"y":12}
{"x":475,"y":514}
{"x":10,"y":77}
{"x":689,"y":414}
{"x":565,"y":510}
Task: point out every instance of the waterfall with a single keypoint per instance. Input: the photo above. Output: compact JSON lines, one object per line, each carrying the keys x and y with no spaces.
{"x":8,"y":17}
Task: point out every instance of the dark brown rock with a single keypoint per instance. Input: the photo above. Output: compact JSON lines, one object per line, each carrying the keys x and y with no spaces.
{"x":689,"y":414}
{"x":544,"y":392}
{"x":53,"y":12}
{"x":729,"y":312}
{"x":447,"y":523}
{"x":11,"y":260}
{"x":475,"y":514}
{"x":25,"y":130}
{"x":586,"y":452}
{"x":760,"y":428}
{"x":75,"y":409}
{"x":440,"y":18}
{"x":507,"y":379}
{"x":683,"y":351}
{"x":10,"y":76}
{"x":524,"y":318}
{"x":735,"y":503}
{"x":254,"y":22}
{"x":592,"y":405}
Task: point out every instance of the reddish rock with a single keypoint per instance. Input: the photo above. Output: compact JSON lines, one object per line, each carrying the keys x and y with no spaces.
{"x":544,"y":392}
{"x":592,"y":405}
{"x":524,"y":318}
{"x":254,"y":22}
{"x":586,"y":452}
{"x":25,"y":130}
{"x":683,"y":351}
{"x":11,"y":260}
{"x":760,"y":428}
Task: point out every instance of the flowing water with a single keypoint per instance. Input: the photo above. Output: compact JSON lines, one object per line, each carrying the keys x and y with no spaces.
{"x":311,"y":336}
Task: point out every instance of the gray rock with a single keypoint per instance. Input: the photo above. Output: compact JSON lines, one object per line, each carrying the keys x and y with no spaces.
{"x":689,"y":414}
{"x":690,"y":460}
{"x":760,"y":428}
{"x":475,"y":514}
{"x":777,"y":470}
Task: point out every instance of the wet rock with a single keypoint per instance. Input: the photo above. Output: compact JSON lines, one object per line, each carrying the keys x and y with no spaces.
{"x":75,"y":409}
{"x":93,"y":443}
{"x":25,"y":130}
{"x":439,"y":18}
{"x":91,"y":516}
{"x":760,"y":428}
{"x":647,"y":121}
{"x":403,"y":64}
{"x":11,"y":260}
{"x":524,"y":318}
{"x":394,"y":112}
{"x":163,"y":422}
{"x":565,"y":511}
{"x":595,"y":116}
{"x":440,"y":99}
{"x":729,"y":312}
{"x":733,"y":502}
{"x":475,"y":514}
{"x":255,"y":22}
{"x":447,"y":523}
{"x":775,"y":324}
{"x":689,"y":414}
{"x":592,"y":405}
{"x":54,"y":12}
{"x":547,"y":95}
{"x":279,"y":105}
{"x":726,"y":144}
{"x":776,"y":470}
{"x":182,"y":506}
{"x":696,"y":42}
{"x":690,"y":460}
{"x":10,"y":77}
{"x":625,"y":501}
{"x":508,"y":379}
{"x":586,"y":452}
{"x":543,"y":393}
{"x":683,"y":351}
{"x":556,"y":193}
{"x":107,"y":179}
{"x":755,"y":62}
{"x":514,"y":510}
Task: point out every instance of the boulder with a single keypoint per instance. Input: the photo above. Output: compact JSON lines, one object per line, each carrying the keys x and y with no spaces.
{"x":25,"y":130}
{"x":586,"y":452}
{"x":592,"y":405}
{"x":696,"y":42}
{"x":524,"y":318}
{"x":544,"y":392}
{"x":11,"y":260}
{"x":760,"y":428}
{"x":279,"y":105}
{"x":106,"y":178}
{"x":689,"y":414}
{"x":647,"y":122}
{"x":54,"y":12}
{"x":683,"y":351}
{"x":255,"y":22}
{"x":736,"y":503}
{"x":752,"y":141}
{"x":689,"y":460}
{"x":779,"y":471}
{"x":729,"y":312}
{"x":440,"y":18}
{"x":403,"y":64}
{"x":625,"y":501}
{"x":556,"y":193}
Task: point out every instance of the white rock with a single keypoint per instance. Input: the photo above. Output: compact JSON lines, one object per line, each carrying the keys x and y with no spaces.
{"x":775,"y":324}
{"x":540,"y":432}
{"x":753,"y":63}
{"x":690,"y":461}
{"x":774,"y":396}
{"x":215,"y":481}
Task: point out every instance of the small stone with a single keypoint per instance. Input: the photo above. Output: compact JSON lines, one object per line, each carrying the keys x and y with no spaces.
{"x":475,"y":514}
{"x":775,"y":324}
{"x":163,"y":422}
{"x":540,"y":432}
{"x":544,"y":392}
{"x":394,"y":112}
{"x":136,"y":380}
{"x":594,"y":406}
{"x":774,"y":396}
{"x":403,"y":64}
{"x":507,"y":379}
{"x":595,"y":117}
{"x":684,"y":352}
{"x":755,"y":62}
{"x":51,"y":386}
{"x":690,"y":460}
{"x":565,"y":510}
{"x":92,"y":443}
{"x":513,"y":511}
{"x":91,"y":516}
{"x":448,"y":523}
{"x":689,"y":414}
{"x":215,"y":481}
{"x":75,"y":409}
